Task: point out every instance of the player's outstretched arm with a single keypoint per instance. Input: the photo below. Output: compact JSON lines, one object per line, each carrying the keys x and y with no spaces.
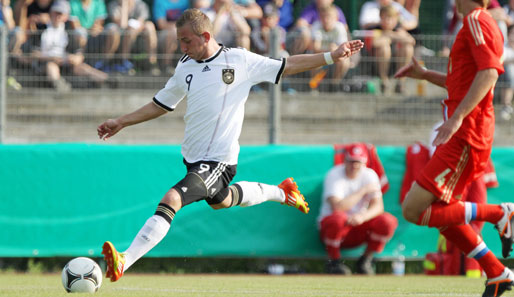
{"x":300,"y":63}
{"x":415,"y":70}
{"x":112,"y":126}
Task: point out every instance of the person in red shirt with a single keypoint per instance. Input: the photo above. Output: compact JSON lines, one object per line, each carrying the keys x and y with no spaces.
{"x":464,"y":143}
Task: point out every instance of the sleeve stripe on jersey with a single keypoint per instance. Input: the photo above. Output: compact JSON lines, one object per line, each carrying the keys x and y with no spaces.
{"x":279,"y":74}
{"x":161,"y":105}
{"x":474,"y":27}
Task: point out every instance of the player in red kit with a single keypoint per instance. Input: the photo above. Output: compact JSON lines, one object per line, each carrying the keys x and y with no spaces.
{"x":464,"y":144}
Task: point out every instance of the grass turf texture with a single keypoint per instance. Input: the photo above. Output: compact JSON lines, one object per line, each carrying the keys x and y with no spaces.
{"x":151,"y":285}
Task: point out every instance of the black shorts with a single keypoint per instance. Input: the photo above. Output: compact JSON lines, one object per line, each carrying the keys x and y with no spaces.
{"x":205,"y":180}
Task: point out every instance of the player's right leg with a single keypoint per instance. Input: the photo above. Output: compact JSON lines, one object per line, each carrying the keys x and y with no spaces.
{"x":115,"y":261}
{"x":495,"y":287}
{"x":152,"y":232}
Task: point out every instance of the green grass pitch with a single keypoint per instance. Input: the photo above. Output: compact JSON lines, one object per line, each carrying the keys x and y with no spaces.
{"x":153,"y":285}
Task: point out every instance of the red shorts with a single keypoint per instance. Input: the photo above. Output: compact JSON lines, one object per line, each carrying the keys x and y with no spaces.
{"x":453,"y":166}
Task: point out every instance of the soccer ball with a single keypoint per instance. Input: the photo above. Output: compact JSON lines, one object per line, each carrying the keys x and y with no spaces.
{"x":81,"y":275}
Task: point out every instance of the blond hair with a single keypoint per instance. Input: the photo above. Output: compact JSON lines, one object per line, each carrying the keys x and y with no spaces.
{"x":388,"y":10}
{"x":197,"y":19}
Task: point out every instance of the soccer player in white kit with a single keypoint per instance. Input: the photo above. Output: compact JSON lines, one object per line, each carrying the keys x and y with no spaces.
{"x":216,"y":82}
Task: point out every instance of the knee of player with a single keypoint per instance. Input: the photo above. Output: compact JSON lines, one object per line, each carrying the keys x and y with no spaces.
{"x":173,"y":199}
{"x":409,"y":213}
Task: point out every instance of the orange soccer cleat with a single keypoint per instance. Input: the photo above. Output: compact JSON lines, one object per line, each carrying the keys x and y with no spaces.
{"x":293,"y":196}
{"x":115,"y":261}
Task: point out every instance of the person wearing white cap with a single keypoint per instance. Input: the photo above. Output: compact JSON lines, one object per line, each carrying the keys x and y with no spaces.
{"x":54,"y":57}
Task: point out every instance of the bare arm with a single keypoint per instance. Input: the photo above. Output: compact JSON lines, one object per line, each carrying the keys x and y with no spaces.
{"x":483,"y":83}
{"x":414,"y":70}
{"x":145,"y":113}
{"x":301,"y":63}
{"x":349,"y":201}
{"x":375,"y":208}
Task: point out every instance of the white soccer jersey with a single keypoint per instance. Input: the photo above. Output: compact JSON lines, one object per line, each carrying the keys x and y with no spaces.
{"x":337,"y":184}
{"x":216,"y":90}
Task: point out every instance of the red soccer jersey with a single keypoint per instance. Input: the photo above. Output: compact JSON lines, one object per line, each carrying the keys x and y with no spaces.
{"x":478,"y":46}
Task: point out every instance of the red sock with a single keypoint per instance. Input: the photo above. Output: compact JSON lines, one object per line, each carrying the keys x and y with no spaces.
{"x":465,"y":238}
{"x":489,"y":212}
{"x":441,"y":215}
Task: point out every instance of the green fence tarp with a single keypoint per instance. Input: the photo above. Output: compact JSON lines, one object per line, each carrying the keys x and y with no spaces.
{"x":67,"y":199}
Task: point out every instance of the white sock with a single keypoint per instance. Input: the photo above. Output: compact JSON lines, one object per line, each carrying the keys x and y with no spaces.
{"x":149,"y":236}
{"x":256,"y":193}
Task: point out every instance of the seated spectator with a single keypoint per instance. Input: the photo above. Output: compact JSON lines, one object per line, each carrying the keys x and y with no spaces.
{"x":327,"y":34}
{"x":229,"y":25}
{"x":132,"y":24}
{"x":285,"y":10}
{"x":412,"y":6}
{"x":252,"y":13}
{"x":390,"y":40}
{"x":369,"y":17}
{"x":300,"y":37}
{"x":54,"y":57}
{"x":165,"y":14}
{"x":261,"y":38}
{"x":16,"y":36}
{"x":87,"y":18}
{"x":352,"y":212}
{"x":31,"y":16}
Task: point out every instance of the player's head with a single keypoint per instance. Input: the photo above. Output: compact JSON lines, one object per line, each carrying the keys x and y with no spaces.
{"x":355,"y":157}
{"x":194,"y":33}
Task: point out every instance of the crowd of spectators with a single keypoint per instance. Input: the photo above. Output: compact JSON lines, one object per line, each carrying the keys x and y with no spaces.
{"x":108,"y":34}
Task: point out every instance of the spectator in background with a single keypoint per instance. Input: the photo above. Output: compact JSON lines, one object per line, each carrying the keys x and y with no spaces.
{"x":229,"y":25}
{"x":327,"y":34}
{"x":300,"y":37}
{"x":285,"y":9}
{"x":369,"y":17}
{"x":412,"y":6}
{"x":130,"y":17}
{"x":165,"y":14}
{"x":15,"y":36}
{"x":261,"y":38}
{"x":87,"y":19}
{"x":389,"y":40}
{"x":54,"y":57}
{"x":30,"y":16}
{"x":352,"y":212}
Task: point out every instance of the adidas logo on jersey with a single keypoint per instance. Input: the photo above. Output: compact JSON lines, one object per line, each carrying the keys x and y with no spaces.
{"x":206,"y":68}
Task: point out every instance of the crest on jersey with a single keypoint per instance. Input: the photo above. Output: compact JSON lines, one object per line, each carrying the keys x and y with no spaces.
{"x":227,"y":75}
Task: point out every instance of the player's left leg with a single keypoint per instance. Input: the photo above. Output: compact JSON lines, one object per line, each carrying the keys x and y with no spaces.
{"x":252,"y":193}
{"x":499,"y":278}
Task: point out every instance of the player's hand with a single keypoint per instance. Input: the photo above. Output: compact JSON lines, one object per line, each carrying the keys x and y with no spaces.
{"x":446,"y":131}
{"x":346,"y":49}
{"x":108,"y":129}
{"x":413,"y":70}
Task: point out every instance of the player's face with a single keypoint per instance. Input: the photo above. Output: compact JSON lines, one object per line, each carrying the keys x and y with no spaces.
{"x":191,"y":44}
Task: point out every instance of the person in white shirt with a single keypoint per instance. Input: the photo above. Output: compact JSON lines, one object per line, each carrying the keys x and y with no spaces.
{"x":352,"y":212}
{"x":328,"y":33}
{"x":216,"y":82}
{"x":54,"y":56}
